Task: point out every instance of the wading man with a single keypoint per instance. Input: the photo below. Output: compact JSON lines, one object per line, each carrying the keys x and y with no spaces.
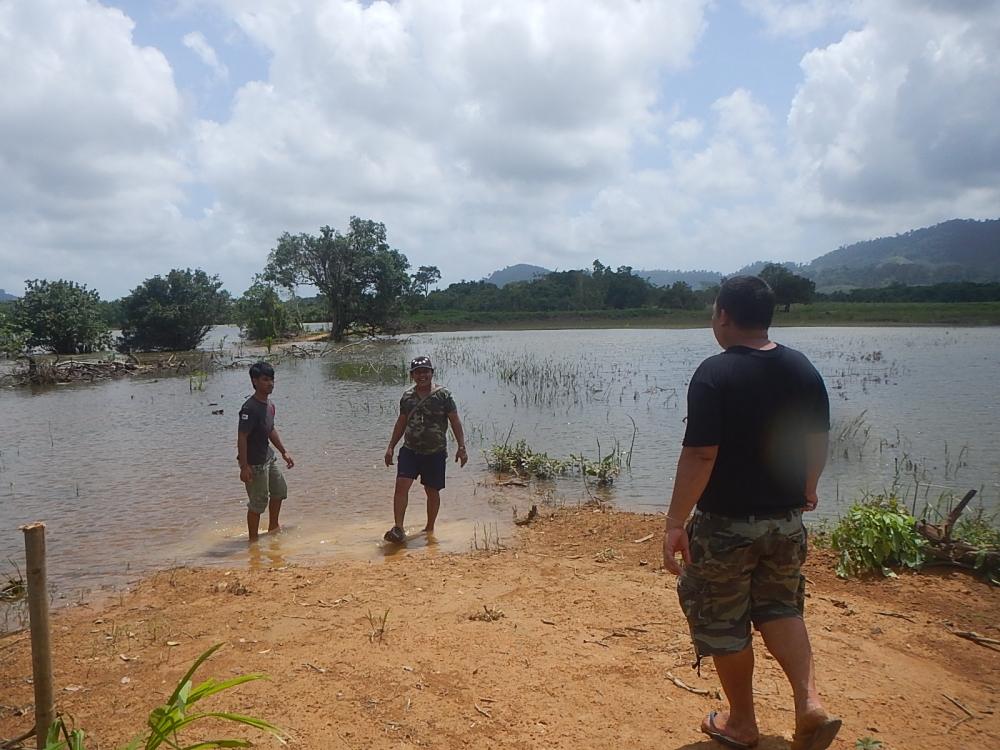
{"x":258,"y":468}
{"x":425,"y":410}
{"x":753,"y":451}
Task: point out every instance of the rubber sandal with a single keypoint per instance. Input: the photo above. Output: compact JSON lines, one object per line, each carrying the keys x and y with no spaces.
{"x":716,"y":734}
{"x":819,"y":738}
{"x":395,"y":535}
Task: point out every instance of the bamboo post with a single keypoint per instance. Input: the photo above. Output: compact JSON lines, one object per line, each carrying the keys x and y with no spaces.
{"x":38,"y":611}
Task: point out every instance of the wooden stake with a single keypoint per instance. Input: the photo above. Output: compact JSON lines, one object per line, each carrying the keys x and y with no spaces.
{"x":38,"y":612}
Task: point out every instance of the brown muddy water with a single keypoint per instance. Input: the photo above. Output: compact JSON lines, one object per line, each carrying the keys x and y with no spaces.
{"x":140,"y":474}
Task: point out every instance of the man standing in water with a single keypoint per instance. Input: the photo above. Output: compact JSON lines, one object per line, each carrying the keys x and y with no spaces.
{"x":425,"y":410}
{"x":754,"y":448}
{"x":259,"y":471}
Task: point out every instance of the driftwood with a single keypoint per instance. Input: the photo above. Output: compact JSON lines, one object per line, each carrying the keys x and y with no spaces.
{"x":943,"y":550}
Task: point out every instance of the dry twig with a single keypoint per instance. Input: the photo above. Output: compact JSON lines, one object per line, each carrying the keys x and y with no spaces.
{"x":953,"y":700}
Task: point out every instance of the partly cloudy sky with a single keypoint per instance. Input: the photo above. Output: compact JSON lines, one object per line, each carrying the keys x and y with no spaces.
{"x":141,"y":136}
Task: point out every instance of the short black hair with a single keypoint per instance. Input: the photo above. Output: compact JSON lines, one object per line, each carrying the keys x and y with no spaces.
{"x":261,"y":368}
{"x":748,"y":301}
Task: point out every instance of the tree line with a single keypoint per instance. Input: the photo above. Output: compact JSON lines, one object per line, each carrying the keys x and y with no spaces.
{"x":365,"y":286}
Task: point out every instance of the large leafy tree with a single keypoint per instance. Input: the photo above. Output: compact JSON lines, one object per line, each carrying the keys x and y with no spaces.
{"x":12,"y":337}
{"x":788,"y":287}
{"x":172,"y":313}
{"x":362,"y":279}
{"x":261,"y":313}
{"x":63,"y":316}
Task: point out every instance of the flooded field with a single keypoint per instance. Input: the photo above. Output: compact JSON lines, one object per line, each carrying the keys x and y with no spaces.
{"x":141,"y":473}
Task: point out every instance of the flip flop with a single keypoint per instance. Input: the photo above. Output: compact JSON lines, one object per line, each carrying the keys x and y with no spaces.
{"x":819,"y":738}
{"x":716,"y":734}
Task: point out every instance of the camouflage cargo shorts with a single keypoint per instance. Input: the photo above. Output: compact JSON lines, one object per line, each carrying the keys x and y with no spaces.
{"x":742,"y":570}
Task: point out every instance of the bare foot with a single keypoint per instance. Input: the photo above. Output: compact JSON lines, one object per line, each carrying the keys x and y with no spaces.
{"x":275,"y":530}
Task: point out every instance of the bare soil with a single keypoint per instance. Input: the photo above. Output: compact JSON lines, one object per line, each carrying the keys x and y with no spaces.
{"x":580,"y":658}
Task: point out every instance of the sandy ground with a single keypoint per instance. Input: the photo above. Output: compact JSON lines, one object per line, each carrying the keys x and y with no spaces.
{"x":581,"y":657}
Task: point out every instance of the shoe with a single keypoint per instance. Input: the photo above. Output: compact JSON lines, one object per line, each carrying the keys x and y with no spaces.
{"x":716,"y":734}
{"x":395,"y":535}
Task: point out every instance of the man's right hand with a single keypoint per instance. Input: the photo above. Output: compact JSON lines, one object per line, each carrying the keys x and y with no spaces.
{"x":812,"y":500}
{"x":246,"y":474}
{"x":674,"y":541}
{"x":388,"y":457}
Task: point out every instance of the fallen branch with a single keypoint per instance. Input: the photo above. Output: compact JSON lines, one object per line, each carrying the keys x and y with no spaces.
{"x":697,"y":691}
{"x":483,"y":711}
{"x":967,"y":711}
{"x":982,"y":640}
{"x":644,"y":539}
{"x":896,"y":614}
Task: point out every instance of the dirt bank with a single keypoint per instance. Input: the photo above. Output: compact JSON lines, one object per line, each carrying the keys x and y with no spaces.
{"x":579,"y":659}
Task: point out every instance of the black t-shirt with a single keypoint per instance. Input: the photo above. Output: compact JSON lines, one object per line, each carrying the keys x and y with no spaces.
{"x":257,"y":421}
{"x":758,"y":407}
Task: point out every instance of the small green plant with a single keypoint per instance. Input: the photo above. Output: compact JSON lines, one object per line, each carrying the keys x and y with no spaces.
{"x":875,"y":534}
{"x":165,"y":722}
{"x":867,"y":743}
{"x":604,"y":471}
{"x":14,"y":588}
{"x":979,"y":529}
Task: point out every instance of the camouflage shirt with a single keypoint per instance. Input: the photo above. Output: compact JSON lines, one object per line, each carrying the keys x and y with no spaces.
{"x":427,"y":420}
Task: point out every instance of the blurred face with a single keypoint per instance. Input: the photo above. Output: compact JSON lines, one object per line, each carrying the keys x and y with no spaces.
{"x":263,"y":384}
{"x":422,"y":375}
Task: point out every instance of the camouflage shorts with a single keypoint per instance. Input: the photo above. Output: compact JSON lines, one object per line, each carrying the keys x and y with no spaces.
{"x":742,"y":570}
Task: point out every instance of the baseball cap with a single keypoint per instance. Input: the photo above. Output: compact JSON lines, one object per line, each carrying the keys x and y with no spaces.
{"x":420,"y":363}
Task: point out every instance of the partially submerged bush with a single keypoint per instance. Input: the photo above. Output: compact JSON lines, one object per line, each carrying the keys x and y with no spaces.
{"x":875,"y":534}
{"x":520,"y":459}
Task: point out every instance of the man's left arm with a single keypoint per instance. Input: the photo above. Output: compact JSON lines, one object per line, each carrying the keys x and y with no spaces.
{"x":461,"y":455}
{"x":817,"y":447}
{"x":694,"y":469}
{"x":276,"y":442}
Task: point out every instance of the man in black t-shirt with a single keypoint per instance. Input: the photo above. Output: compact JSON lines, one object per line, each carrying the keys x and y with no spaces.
{"x":259,"y":471}
{"x":754,"y":449}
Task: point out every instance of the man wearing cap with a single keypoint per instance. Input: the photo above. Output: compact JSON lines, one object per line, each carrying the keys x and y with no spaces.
{"x":425,"y":410}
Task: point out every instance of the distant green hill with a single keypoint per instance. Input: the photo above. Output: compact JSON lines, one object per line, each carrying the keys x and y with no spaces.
{"x":518,"y":272}
{"x":694,"y":279}
{"x":956,"y":250}
{"x":4,"y":297}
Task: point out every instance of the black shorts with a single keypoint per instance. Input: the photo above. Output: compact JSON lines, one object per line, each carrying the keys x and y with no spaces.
{"x":429,"y":467}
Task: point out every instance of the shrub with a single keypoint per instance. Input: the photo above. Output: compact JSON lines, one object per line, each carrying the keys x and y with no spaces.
{"x":876,"y":534}
{"x":261,"y":315}
{"x":173,"y":313}
{"x":63,"y":316}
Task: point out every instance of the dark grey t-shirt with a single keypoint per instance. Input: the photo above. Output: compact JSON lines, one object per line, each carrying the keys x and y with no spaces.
{"x":257,"y":421}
